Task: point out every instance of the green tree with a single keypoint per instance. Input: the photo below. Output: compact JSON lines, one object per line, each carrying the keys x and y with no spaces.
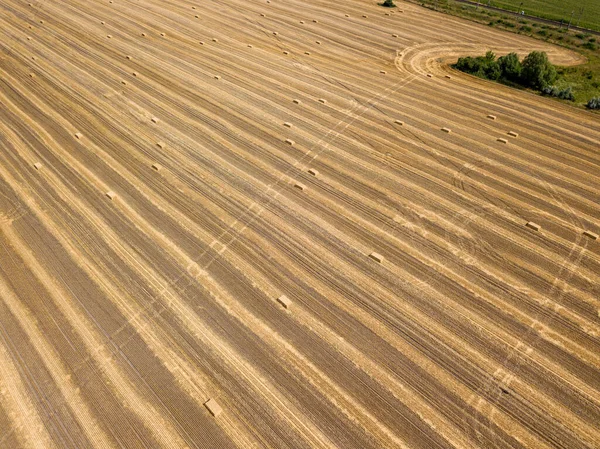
{"x":537,"y":71}
{"x":511,"y":67}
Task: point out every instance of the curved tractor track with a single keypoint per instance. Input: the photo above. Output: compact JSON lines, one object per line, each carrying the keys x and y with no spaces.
{"x":288,"y":224}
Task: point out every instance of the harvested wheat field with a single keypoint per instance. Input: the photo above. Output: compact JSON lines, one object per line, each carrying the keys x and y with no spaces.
{"x":289,"y":225}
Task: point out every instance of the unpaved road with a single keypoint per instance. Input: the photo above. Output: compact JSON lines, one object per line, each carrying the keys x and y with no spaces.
{"x":123,"y":313}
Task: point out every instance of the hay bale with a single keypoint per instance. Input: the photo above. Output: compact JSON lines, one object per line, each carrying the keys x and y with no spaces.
{"x":286,"y":52}
{"x":143,"y":34}
{"x":398,"y":122}
{"x":284,"y":301}
{"x":275,"y":33}
{"x":196,"y":16}
{"x":124,"y":82}
{"x":302,"y":22}
{"x":394,"y":35}
{"x":501,"y":140}
{"x":214,"y":39}
{"x":289,"y":141}
{"x":156,"y":167}
{"x":128,"y":57}
{"x":163,"y":34}
{"x":365,"y":16}
{"x":287,"y":124}
{"x":318,"y":42}
{"x":299,"y":186}
{"x":262,"y":15}
{"x":532,"y":225}
{"x":28,"y":38}
{"x":154,"y":120}
{"x":41,"y":21}
{"x":591,"y":235}
{"x":37,"y":165}
{"x":31,"y":75}
{"x":161,"y":144}
{"x":134,"y":73}
{"x":111,"y":195}
{"x":33,"y":58}
{"x":313,"y":172}
{"x":448,"y":76}
{"x":78,"y":135}
{"x":346,"y":15}
{"x":383,"y":72}
{"x":491,"y":117}
{"x":201,"y":42}
{"x":315,"y":21}
{"x":249,"y":46}
{"x":512,"y":134}
{"x":376,"y":257}
{"x":102,"y":23}
{"x":297,"y":101}
{"x":307,"y":53}
{"x":193,"y":7}
{"x":213,"y":407}
{"x":446,"y":130}
{"x":217,"y":77}
{"x":429,"y":75}
{"x":322,"y":100}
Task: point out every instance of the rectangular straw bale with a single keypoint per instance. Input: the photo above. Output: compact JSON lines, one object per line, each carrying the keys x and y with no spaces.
{"x":501,"y":140}
{"x":532,"y":225}
{"x":512,"y":134}
{"x":213,"y":407}
{"x":591,"y":235}
{"x":284,"y":301}
{"x":376,"y":257}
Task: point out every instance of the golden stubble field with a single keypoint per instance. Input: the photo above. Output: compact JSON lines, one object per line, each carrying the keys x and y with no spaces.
{"x":288,"y":224}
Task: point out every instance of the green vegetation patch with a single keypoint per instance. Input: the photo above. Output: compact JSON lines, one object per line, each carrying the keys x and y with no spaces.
{"x":585,"y":13}
{"x":584,"y":80}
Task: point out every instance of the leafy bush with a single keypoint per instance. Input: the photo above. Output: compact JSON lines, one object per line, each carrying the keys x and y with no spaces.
{"x":510,"y":67}
{"x":388,"y":4}
{"x":594,"y":103}
{"x":590,"y":46}
{"x":537,"y":71}
{"x":481,"y":66}
{"x":564,"y":94}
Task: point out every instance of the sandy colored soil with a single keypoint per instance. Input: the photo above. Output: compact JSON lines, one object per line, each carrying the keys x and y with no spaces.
{"x":156,"y":202}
